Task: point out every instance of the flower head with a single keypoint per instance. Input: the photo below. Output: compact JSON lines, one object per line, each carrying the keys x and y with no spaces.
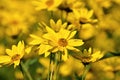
{"x":81,"y":16}
{"x":56,"y":26}
{"x":91,"y":55}
{"x":13,"y":55}
{"x":60,"y":41}
{"x":47,"y":4}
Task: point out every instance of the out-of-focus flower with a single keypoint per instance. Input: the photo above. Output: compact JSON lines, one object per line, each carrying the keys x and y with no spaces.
{"x":2,"y":49}
{"x":13,"y":56}
{"x":108,"y":68}
{"x":105,"y":3}
{"x":102,"y":41}
{"x":58,"y":25}
{"x":69,"y":5}
{"x":91,"y":55}
{"x":87,"y":31}
{"x":14,"y":23}
{"x":19,"y":75}
{"x":81,"y":16}
{"x":47,"y":4}
{"x":67,"y":68}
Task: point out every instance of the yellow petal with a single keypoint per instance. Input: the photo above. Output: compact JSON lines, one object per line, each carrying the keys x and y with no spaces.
{"x":36,"y":40}
{"x":90,"y":13}
{"x":76,"y":13}
{"x":75,"y":42}
{"x":9,"y":52}
{"x":72,"y":34}
{"x":28,"y":49}
{"x":59,"y":23}
{"x":44,"y":48}
{"x":51,"y":31}
{"x":72,"y":48}
{"x":47,"y":53}
{"x":65,"y":55}
{"x":52,"y":24}
{"x":14,"y":50}
{"x":90,"y":50}
{"x":51,"y":35}
{"x":97,"y":55}
{"x":5,"y":59}
{"x":16,"y":63}
{"x":63,"y":33}
{"x":20,"y":47}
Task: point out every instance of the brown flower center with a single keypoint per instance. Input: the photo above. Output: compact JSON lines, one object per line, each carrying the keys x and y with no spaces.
{"x":15,"y":57}
{"x":49,"y":3}
{"x":62,"y":42}
{"x":14,"y":22}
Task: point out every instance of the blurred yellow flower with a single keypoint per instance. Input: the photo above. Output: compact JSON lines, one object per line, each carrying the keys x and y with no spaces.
{"x":13,"y":56}
{"x":69,"y":5}
{"x":60,"y":41}
{"x":87,"y":31}
{"x":91,"y":55}
{"x":83,"y":15}
{"x":58,"y":25}
{"x":47,"y":4}
{"x":14,"y":23}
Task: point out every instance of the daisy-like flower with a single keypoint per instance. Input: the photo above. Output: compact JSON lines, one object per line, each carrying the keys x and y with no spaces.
{"x":47,"y":4}
{"x":56,"y":26}
{"x":91,"y":55}
{"x":82,"y":16}
{"x":13,"y":55}
{"x":60,"y":41}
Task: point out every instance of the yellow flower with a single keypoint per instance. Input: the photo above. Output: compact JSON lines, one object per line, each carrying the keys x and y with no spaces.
{"x":60,"y":41}
{"x":81,"y":15}
{"x":72,"y":4}
{"x":87,"y":31}
{"x":56,"y":26}
{"x":47,"y":4}
{"x":14,"y":55}
{"x":89,"y":56}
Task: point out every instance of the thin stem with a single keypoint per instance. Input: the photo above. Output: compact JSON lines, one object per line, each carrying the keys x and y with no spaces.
{"x":51,"y":63}
{"x":87,"y":68}
{"x":25,"y":70}
{"x":54,"y":66}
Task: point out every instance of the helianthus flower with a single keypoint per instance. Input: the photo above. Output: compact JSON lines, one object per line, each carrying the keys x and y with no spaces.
{"x":91,"y":55}
{"x":47,"y":4}
{"x":82,"y":16}
{"x":56,"y":26}
{"x":60,"y":41}
{"x":13,"y":55}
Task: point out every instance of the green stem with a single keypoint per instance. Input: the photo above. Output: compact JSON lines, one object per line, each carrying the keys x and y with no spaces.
{"x":54,"y":66}
{"x":87,"y":68}
{"x":25,"y":70}
{"x":50,"y":75}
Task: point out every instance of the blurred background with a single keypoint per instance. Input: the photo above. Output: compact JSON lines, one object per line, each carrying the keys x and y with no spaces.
{"x":19,"y":19}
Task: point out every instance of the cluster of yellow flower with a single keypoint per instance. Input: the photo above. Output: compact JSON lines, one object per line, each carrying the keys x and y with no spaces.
{"x":65,"y":31}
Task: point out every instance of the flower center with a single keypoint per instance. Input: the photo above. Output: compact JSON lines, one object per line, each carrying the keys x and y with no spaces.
{"x":62,"y":42}
{"x":15,"y":57}
{"x":14,"y":22}
{"x":49,"y":3}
